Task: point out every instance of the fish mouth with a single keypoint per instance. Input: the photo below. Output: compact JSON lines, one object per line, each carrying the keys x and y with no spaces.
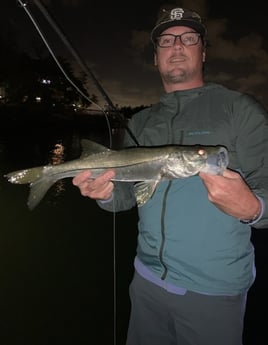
{"x":217,"y":163}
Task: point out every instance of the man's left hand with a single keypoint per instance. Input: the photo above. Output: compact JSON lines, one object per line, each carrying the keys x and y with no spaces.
{"x":230,"y":193}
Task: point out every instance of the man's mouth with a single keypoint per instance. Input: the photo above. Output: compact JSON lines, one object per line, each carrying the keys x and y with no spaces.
{"x":177,"y":59}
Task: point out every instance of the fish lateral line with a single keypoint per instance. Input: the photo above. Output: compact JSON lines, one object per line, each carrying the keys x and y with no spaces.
{"x":144,"y":166}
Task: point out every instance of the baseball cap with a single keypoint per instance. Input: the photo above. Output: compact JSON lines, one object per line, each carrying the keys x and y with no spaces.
{"x":178,"y":17}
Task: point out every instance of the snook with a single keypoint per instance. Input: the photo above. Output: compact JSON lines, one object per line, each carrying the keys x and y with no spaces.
{"x":146,"y":165}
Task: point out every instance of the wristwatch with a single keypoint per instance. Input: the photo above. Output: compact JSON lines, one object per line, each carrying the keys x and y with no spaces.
{"x":249,"y":221}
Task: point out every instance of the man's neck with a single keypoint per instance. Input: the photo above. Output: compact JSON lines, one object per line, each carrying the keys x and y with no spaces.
{"x":183,"y":86}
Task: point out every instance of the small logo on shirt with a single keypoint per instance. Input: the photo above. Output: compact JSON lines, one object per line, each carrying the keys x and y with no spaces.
{"x":192,"y":133}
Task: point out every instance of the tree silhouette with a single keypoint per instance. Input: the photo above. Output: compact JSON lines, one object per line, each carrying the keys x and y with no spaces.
{"x":26,"y":78}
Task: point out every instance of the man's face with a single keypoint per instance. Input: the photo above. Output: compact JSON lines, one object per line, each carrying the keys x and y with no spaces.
{"x":180,"y":63}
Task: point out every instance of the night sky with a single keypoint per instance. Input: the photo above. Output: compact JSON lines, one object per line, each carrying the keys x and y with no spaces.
{"x":113,"y":39}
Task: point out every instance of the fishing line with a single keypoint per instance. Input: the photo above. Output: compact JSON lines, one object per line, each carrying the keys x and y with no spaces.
{"x":87,"y":71}
{"x":114,"y":279}
{"x":84,"y":67}
{"x":24,"y":6}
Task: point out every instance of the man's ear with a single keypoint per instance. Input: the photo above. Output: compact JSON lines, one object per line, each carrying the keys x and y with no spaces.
{"x":204,"y":56}
{"x":155,"y":60}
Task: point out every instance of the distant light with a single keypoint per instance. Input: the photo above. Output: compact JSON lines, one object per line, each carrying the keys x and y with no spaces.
{"x":46,"y":81}
{"x":38,"y":99}
{"x":23,"y":4}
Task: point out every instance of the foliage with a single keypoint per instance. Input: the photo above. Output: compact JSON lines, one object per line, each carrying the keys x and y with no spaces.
{"x":26,"y":78}
{"x":129,"y":111}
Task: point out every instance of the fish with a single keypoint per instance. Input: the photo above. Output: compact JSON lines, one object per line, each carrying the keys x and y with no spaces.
{"x":145,"y":166}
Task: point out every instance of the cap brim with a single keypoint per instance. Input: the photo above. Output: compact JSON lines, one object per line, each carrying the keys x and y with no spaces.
{"x":182,"y":22}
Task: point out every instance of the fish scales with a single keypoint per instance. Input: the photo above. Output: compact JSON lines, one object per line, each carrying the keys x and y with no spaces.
{"x":147,"y":166}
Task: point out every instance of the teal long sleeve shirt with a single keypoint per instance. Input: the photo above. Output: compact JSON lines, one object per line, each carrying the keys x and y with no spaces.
{"x":183,"y":238}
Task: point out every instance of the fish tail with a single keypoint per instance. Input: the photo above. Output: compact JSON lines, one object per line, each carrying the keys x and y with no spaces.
{"x":38,"y":180}
{"x":25,"y":176}
{"x":38,"y":189}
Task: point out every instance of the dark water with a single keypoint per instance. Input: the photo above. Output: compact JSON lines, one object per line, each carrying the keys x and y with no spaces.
{"x":65,"y":267}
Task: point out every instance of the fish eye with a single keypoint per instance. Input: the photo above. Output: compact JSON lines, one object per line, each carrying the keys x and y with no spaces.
{"x":201,"y":152}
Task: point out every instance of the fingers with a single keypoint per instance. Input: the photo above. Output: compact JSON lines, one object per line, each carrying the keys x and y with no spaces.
{"x":227,"y":174}
{"x":99,"y":188}
{"x":81,"y":177}
{"x":231,"y":174}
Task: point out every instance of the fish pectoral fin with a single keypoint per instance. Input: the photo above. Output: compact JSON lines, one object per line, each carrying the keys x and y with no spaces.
{"x":143,"y":191}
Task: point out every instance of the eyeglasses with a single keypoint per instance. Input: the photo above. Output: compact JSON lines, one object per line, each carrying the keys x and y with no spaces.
{"x":187,"y":39}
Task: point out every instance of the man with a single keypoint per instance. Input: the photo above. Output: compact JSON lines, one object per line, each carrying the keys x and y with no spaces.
{"x":194,"y":262}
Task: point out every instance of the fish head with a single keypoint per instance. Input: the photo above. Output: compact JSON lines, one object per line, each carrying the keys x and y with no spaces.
{"x":188,"y":161}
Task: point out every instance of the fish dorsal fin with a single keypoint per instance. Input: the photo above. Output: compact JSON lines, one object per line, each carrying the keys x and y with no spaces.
{"x":143,"y":191}
{"x":91,"y":147}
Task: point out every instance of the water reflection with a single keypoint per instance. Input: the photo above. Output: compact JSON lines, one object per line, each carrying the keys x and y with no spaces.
{"x":57,"y":156}
{"x":56,"y":262}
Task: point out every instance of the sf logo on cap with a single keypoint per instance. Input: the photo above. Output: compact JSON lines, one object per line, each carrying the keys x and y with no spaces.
{"x":176,"y":13}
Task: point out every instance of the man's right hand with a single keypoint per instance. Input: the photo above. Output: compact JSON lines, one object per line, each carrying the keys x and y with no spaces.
{"x":100,"y":188}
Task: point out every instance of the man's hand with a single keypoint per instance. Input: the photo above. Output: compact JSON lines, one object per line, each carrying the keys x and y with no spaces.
{"x":231,"y":194}
{"x":100,"y":188}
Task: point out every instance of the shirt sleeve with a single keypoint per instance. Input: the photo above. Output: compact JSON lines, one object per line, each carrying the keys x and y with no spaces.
{"x":251,"y":126}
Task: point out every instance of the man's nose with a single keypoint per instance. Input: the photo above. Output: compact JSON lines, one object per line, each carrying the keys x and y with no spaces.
{"x":178,"y":42}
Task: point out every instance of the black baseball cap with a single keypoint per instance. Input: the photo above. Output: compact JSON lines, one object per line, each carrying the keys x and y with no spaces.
{"x":178,"y":17}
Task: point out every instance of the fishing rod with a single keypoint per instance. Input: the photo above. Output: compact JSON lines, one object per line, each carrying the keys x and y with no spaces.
{"x":79,"y":60}
{"x":87,"y":70}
